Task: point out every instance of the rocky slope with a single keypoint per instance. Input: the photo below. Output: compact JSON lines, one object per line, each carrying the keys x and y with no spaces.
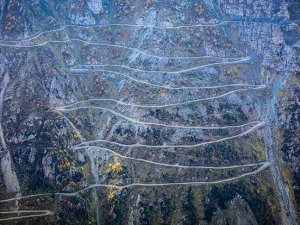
{"x":149,"y":112}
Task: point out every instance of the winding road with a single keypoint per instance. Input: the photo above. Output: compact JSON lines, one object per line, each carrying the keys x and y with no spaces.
{"x":263,"y":167}
{"x":78,"y":71}
{"x":257,"y":87}
{"x":219,"y":23}
{"x":169,"y":165}
{"x":48,"y":212}
{"x":237,"y":60}
{"x":260,"y":124}
{"x":147,"y":123}
{"x":85,"y":144}
{"x":31,"y":213}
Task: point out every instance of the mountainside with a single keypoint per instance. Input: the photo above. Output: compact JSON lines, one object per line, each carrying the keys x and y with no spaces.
{"x":149,"y":112}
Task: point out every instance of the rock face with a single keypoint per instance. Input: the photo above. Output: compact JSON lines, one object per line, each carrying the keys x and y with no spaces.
{"x":152,"y":112}
{"x":9,"y":175}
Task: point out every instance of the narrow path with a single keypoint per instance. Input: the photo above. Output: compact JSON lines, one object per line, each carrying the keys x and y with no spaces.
{"x":263,"y":167}
{"x":48,"y":212}
{"x":34,"y":213}
{"x":150,"y":26}
{"x":150,"y":123}
{"x":75,"y":70}
{"x":157,"y":106}
{"x":266,"y":165}
{"x":252,"y":129}
{"x":169,"y":165}
{"x":237,"y":60}
{"x":70,"y":123}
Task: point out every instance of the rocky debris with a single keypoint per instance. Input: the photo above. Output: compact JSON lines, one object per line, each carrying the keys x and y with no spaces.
{"x":95,"y":5}
{"x":238,"y":212}
{"x":80,"y":158}
{"x":48,"y":167}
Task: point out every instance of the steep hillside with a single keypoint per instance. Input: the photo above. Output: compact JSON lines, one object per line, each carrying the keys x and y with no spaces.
{"x":149,"y":112}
